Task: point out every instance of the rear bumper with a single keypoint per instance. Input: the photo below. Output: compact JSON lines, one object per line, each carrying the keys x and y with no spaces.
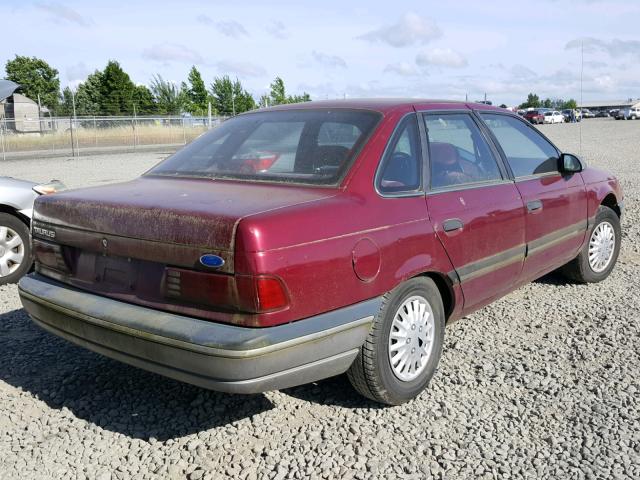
{"x":211,"y":355}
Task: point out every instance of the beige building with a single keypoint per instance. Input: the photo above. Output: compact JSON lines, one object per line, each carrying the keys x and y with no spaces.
{"x":19,"y":113}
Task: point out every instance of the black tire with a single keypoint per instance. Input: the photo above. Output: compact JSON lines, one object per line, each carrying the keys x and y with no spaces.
{"x":18,"y":226}
{"x":371,"y":373}
{"x":579,"y":269}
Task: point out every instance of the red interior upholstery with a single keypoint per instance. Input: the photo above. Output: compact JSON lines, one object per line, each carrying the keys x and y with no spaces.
{"x":443,"y":153}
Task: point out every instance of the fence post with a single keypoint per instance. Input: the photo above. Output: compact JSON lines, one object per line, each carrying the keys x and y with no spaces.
{"x":4,"y":156}
{"x":184,"y":133}
{"x":95,"y":131}
{"x":73,"y":145}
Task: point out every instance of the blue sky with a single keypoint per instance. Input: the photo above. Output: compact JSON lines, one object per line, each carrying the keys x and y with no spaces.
{"x":336,"y":48}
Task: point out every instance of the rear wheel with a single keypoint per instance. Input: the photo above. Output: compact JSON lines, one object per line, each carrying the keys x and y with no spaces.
{"x":600,"y":253}
{"x":15,"y":249}
{"x":404,"y":346}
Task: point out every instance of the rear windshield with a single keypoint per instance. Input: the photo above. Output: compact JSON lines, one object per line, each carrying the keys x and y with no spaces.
{"x":532,"y":112}
{"x":302,"y":146}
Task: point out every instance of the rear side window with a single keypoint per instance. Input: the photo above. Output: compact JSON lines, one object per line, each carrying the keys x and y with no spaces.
{"x":527,"y":152}
{"x":400,"y":169}
{"x":458,"y":153}
{"x":314,"y":146}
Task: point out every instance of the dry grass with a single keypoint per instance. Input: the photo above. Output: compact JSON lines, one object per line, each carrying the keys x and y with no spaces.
{"x":111,"y":136}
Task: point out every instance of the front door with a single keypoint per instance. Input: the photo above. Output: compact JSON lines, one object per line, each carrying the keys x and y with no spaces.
{"x":556,"y":204}
{"x":476,"y":211}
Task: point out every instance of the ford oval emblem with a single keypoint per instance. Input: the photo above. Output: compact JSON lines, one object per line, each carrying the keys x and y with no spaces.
{"x":211,"y":261}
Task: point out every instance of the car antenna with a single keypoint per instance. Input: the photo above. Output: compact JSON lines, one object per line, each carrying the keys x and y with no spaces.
{"x":581,"y":103}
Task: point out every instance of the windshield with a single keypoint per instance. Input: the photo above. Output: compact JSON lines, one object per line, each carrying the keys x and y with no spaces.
{"x":302,"y":146}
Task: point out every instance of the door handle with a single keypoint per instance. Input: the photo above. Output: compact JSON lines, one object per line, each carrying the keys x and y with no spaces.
{"x":534,"y":206}
{"x":452,"y":224}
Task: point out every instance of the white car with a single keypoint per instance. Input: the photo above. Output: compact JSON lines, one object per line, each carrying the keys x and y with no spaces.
{"x":16,"y":205}
{"x":553,"y":116}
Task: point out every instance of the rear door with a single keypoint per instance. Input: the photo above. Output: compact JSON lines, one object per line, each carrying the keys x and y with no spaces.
{"x":556,"y":204}
{"x":475,"y":208}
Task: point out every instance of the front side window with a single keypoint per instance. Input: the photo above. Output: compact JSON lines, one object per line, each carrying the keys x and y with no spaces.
{"x":458,"y":153}
{"x":400,"y":169}
{"x":527,"y":152}
{"x":314,"y":146}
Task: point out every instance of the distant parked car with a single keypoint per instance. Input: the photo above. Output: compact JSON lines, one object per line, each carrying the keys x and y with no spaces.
{"x":534,"y":116}
{"x":630,"y":113}
{"x":16,"y":207}
{"x":586,"y":113}
{"x":602,"y":114}
{"x":553,"y":117}
{"x":567,"y":115}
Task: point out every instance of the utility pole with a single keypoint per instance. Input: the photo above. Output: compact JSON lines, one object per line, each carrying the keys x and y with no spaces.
{"x":134,"y":126}
{"x":209,"y":115}
{"x":39,"y":115}
{"x":74,"y":144}
{"x":233,"y":103}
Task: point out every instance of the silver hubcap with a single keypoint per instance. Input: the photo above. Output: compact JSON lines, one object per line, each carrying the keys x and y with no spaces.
{"x":411,"y":338}
{"x":601,"y":246}
{"x":11,"y":251}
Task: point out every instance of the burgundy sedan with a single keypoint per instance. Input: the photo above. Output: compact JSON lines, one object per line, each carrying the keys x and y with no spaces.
{"x":534,"y":116}
{"x":299,"y":242}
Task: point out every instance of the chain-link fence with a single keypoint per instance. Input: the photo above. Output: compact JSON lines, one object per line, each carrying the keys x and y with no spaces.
{"x":68,"y":136}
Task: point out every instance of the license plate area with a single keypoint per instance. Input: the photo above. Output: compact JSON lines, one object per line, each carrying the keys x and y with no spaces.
{"x":115,"y":274}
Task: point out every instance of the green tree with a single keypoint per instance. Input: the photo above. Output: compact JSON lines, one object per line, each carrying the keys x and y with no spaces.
{"x":570,"y":104}
{"x":144,"y":101}
{"x":37,"y":78}
{"x":170,"y":99}
{"x":116,"y":91}
{"x":547,"y":103}
{"x":278,"y":95}
{"x":89,"y":95}
{"x":230,"y":97}
{"x":533,"y":101}
{"x":196,"y":93}
{"x":305,"y":97}
{"x":65,"y":105}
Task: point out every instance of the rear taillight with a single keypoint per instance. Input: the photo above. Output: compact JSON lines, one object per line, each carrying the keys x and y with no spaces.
{"x":271,"y":294}
{"x":50,"y":255}
{"x":245,"y":293}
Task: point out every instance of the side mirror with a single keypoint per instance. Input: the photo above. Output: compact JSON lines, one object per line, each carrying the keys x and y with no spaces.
{"x":569,"y":163}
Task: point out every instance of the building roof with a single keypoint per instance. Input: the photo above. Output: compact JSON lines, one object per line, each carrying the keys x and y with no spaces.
{"x":629,"y":102}
{"x":7,"y":87}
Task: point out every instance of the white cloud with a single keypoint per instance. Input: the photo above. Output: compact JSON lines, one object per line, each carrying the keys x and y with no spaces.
{"x":277,"y":29}
{"x":205,"y":19}
{"x":77,"y":72}
{"x":246,"y":69}
{"x":62,"y":13}
{"x":409,"y":30}
{"x":441,"y":57}
{"x":332,"y":61}
{"x":521,"y":72}
{"x":231,"y":28}
{"x":614,"y":48}
{"x":402,"y":68}
{"x":170,"y":52}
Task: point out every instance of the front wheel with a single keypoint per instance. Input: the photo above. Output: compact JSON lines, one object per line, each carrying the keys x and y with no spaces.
{"x":15,"y":249}
{"x":403,"y":348}
{"x":598,"y":256}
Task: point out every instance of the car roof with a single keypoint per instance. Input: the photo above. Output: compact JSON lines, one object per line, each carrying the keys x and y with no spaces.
{"x":385,"y":105}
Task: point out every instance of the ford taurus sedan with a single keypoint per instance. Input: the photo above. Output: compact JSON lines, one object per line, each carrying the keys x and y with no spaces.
{"x":299,"y":242}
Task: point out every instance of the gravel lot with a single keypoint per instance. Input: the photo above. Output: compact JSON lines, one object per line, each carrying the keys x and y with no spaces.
{"x":542,"y":384}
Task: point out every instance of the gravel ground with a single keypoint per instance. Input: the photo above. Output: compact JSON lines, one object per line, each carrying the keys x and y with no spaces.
{"x":541,"y":384}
